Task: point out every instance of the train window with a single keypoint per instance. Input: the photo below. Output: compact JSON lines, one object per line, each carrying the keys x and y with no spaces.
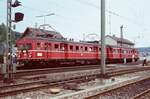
{"x":86,"y":49}
{"x":27,"y":46}
{"x":81,"y":48}
{"x":62,"y":48}
{"x":114,"y":51}
{"x":71,"y":48}
{"x":99,"y":49}
{"x":90,"y":49}
{"x":56,"y":46}
{"x":38,"y":46}
{"x":46,"y":46}
{"x":77,"y":48}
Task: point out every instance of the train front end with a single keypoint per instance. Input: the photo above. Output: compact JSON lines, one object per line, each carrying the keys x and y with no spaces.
{"x":24,"y":54}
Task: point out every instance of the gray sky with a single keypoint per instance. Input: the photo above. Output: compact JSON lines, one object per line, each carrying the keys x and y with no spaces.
{"x":73,"y":18}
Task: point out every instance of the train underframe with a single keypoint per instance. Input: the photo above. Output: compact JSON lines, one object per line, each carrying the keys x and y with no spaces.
{"x":39,"y":63}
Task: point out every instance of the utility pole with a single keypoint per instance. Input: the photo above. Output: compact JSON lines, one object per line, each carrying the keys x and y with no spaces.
{"x":103,"y":48}
{"x":121,"y":34}
{"x":124,"y":52}
{"x":109,"y":18}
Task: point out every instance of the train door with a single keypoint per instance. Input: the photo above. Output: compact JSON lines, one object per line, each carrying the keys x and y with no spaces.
{"x":66,"y":51}
{"x":97,"y":52}
{"x":46,"y":50}
{"x":109,"y":52}
{"x":49,"y":50}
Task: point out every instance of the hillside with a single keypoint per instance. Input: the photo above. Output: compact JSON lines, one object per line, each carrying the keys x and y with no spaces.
{"x":144,"y":51}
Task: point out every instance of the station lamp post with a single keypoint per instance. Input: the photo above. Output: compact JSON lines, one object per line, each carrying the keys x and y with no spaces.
{"x":8,"y":69}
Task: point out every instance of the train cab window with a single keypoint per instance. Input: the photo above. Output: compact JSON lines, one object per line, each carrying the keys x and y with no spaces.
{"x":20,"y":47}
{"x":86,"y":49}
{"x":77,"y":48}
{"x":28,"y":46}
{"x":71,"y":48}
{"x":56,"y":46}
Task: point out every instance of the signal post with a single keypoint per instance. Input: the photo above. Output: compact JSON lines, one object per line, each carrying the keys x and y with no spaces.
{"x":8,"y":67}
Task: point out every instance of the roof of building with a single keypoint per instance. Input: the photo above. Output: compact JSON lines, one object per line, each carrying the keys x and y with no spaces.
{"x":119,"y":40}
{"x":36,"y":32}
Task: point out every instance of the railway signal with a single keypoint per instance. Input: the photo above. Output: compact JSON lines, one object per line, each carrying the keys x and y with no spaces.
{"x":9,"y":67}
{"x":16,"y":4}
{"x":19,"y":17}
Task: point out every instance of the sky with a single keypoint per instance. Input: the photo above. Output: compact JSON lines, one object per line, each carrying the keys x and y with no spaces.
{"x":80,"y":19}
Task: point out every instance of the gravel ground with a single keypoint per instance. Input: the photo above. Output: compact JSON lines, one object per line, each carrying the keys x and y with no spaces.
{"x":126,"y":92}
{"x":145,"y":96}
{"x":96,"y":85}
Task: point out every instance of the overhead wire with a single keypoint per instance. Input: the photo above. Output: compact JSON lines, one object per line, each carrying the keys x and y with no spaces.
{"x":113,"y":13}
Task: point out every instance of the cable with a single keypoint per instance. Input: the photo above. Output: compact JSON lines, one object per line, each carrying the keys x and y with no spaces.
{"x":113,"y":13}
{"x":37,"y":10}
{"x":87,"y":3}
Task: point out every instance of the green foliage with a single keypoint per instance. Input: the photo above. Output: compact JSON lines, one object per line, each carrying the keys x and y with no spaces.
{"x":3,"y":30}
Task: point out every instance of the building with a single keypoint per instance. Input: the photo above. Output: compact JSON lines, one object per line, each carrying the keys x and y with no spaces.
{"x":116,"y":41}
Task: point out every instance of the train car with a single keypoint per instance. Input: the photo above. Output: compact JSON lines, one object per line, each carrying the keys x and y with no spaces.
{"x":120,"y":54}
{"x":50,"y":48}
{"x":51,"y":51}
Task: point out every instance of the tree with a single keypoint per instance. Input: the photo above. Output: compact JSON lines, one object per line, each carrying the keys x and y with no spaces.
{"x":3,"y":30}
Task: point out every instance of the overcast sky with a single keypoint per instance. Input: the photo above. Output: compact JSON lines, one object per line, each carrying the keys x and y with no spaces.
{"x":75,"y":18}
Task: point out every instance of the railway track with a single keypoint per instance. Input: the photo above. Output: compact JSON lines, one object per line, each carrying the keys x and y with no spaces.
{"x":41,"y":84}
{"x":143,"y":95}
{"x":21,"y":73}
{"x":130,"y":91}
{"x":65,"y":69}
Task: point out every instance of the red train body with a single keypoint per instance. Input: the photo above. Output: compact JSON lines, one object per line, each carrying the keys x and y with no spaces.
{"x":53,"y":49}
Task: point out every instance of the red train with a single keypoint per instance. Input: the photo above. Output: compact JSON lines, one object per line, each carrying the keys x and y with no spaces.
{"x":37,"y":46}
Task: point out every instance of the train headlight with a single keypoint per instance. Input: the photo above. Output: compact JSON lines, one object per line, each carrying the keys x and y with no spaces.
{"x":24,"y":51}
{"x":39,"y":54}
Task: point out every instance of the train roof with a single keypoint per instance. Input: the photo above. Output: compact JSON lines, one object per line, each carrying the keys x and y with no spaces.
{"x":36,"y":32}
{"x":74,"y":42}
{"x":59,"y":40}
